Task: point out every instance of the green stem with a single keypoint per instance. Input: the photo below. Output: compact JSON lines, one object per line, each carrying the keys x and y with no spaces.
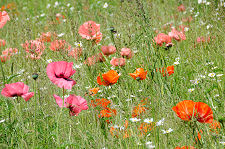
{"x":3,"y":74}
{"x":59,"y":118}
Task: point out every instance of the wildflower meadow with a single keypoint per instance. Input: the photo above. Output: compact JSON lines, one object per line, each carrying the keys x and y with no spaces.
{"x":111,"y":74}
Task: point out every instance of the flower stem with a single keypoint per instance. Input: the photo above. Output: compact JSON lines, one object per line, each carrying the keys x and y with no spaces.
{"x":59,"y":118}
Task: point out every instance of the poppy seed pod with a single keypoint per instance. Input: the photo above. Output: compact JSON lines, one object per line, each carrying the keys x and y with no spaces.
{"x":35,"y":76}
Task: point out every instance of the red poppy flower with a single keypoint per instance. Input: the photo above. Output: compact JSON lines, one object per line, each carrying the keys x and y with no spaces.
{"x":60,"y":72}
{"x":109,"y":78}
{"x":18,"y":89}
{"x":177,"y":35}
{"x":4,"y":17}
{"x":188,"y":109}
{"x":75,"y":52}
{"x":162,"y":38}
{"x":108,"y":50}
{"x":215,"y":126}
{"x":117,"y":61}
{"x":10,"y":51}
{"x":90,"y":31}
{"x":107,"y":112}
{"x":140,"y":74}
{"x":75,"y":103}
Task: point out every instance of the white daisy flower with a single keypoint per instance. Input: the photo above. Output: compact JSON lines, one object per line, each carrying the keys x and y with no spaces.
{"x":60,"y":35}
{"x":212,"y":75}
{"x":191,"y":90}
{"x":49,"y":60}
{"x":159,"y":123}
{"x":176,"y":63}
{"x":105,"y":5}
{"x":148,"y":120}
{"x":167,"y":131}
{"x":134,"y":119}
{"x":219,"y":75}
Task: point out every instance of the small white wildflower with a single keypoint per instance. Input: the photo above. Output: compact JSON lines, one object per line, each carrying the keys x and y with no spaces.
{"x":48,"y":6}
{"x":219,"y":75}
{"x":167,"y":131}
{"x":223,"y":142}
{"x":60,"y":35}
{"x":49,"y":60}
{"x":209,"y":26}
{"x":42,"y":15}
{"x":214,"y":67}
{"x":132,"y":96}
{"x":135,"y":51}
{"x":140,"y":90}
{"x":202,"y":76}
{"x":176,"y":63}
{"x":105,"y":5}
{"x":208,"y":3}
{"x":76,"y":66}
{"x":28,"y":18}
{"x":68,"y":5}
{"x":72,"y":8}
{"x":199,"y":1}
{"x":28,"y":77}
{"x":195,"y":82}
{"x":21,"y":71}
{"x":117,"y":35}
{"x":129,"y":99}
{"x":148,"y":120}
{"x":211,"y":75}
{"x":56,"y":4}
{"x":116,"y":126}
{"x":217,"y":95}
{"x":210,"y":63}
{"x":134,"y":119}
{"x":139,"y":143}
{"x":78,"y":44}
{"x":1,"y":121}
{"x":149,"y":145}
{"x":186,"y":29}
{"x":87,"y":87}
{"x":191,"y":90}
{"x":159,"y":123}
{"x":122,"y":128}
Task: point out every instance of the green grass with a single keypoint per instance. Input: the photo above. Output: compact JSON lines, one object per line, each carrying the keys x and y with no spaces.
{"x":136,"y":22}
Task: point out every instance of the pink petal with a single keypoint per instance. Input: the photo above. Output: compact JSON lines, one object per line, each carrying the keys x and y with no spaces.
{"x":27,"y":96}
{"x":59,"y":101}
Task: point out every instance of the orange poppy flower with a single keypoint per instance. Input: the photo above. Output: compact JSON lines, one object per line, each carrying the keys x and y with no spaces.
{"x":185,"y":147}
{"x":109,"y":78}
{"x":93,"y":91}
{"x":100,"y":102}
{"x":106,"y":113}
{"x":188,"y":109}
{"x":140,"y":74}
{"x":145,"y":128}
{"x":169,"y":70}
{"x":116,"y":131}
{"x":137,"y":110}
{"x":215,"y":126}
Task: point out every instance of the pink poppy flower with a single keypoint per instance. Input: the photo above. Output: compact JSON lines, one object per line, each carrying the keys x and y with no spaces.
{"x":34,"y":48}
{"x":108,"y":50}
{"x":203,"y":39}
{"x":18,"y":89}
{"x":162,"y":38}
{"x":117,"y":61}
{"x":94,"y":59}
{"x":126,"y":52}
{"x":177,"y":35}
{"x":4,"y":17}
{"x":75,"y":52}
{"x":181,"y":8}
{"x":187,"y":19}
{"x":90,"y":31}
{"x":10,"y":51}
{"x":2,"y":43}
{"x":46,"y":37}
{"x":58,"y":45}
{"x":60,"y":72}
{"x":75,"y":103}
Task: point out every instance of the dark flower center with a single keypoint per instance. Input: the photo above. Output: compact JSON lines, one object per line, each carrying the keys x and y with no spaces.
{"x":61,"y":75}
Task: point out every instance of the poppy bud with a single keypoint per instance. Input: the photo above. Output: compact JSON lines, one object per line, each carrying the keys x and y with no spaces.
{"x":138,"y":78}
{"x":35,"y":76}
{"x":112,"y":29}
